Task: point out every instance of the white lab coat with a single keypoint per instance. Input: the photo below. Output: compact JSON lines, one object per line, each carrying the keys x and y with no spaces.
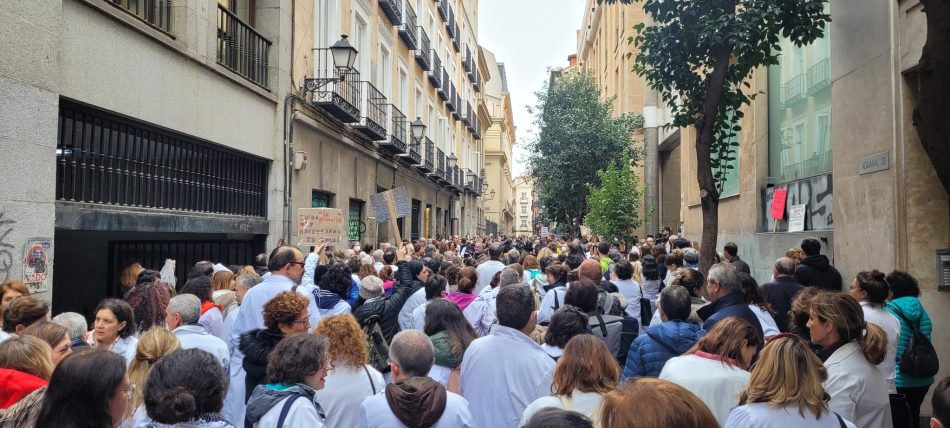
{"x":857,"y":388}
{"x":502,"y":374}
{"x":347,"y":387}
{"x":716,"y":383}
{"x":251,"y":316}
{"x":480,"y":315}
{"x":630,"y":290}
{"x":375,"y":413}
{"x":764,"y":415}
{"x":212,"y":320}
{"x":892,"y":327}
{"x":769,"y":328}
{"x":414,"y":301}
{"x":548,"y":302}
{"x":195,"y":337}
{"x":302,"y":413}
{"x":485,"y":272}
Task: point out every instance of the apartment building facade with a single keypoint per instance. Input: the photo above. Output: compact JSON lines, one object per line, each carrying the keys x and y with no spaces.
{"x":499,"y":143}
{"x":524,"y":204}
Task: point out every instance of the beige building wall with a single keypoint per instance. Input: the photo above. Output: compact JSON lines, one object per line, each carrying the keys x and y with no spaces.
{"x":524,"y":201}
{"x":499,"y":141}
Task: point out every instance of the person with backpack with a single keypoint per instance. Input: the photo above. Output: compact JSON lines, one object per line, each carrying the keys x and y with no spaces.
{"x":670,"y":338}
{"x":914,"y":322}
{"x":374,"y":306}
{"x":608,"y":328}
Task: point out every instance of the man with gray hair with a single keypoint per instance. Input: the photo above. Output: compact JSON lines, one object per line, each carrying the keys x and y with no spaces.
{"x":514,"y":256}
{"x":667,"y":339}
{"x":508,"y":276}
{"x":181,"y":317}
{"x":782,"y":290}
{"x":378,"y":259}
{"x":724,"y":290}
{"x":76,"y":326}
{"x":414,"y":399}
{"x":506,"y":370}
{"x":243,"y":283}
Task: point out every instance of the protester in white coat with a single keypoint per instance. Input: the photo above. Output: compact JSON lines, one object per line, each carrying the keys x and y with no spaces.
{"x":286,"y":269}
{"x":414,"y":399}
{"x":851,"y":349}
{"x":297,"y":368}
{"x":181,"y":316}
{"x":871,"y":290}
{"x":506,"y":371}
{"x":352,"y":378}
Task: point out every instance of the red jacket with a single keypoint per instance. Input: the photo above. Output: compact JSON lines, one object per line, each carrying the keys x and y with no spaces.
{"x":16,"y":385}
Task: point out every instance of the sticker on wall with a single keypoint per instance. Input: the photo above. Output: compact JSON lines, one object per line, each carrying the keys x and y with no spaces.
{"x":36,"y":264}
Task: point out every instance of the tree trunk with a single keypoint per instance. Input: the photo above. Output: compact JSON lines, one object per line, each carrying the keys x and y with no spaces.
{"x":933,"y":94}
{"x":705,"y":127}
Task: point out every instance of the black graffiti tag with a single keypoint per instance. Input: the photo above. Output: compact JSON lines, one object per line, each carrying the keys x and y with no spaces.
{"x":6,"y":256}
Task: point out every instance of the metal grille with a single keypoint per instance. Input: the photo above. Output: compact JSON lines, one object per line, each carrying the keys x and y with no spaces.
{"x":158,"y":13}
{"x":241,"y":48}
{"x":104,"y":159}
{"x":152,"y":255}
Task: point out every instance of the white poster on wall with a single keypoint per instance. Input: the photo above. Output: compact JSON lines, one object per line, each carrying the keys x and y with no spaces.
{"x":796,"y":218}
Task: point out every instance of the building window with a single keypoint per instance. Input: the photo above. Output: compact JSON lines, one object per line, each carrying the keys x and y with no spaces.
{"x":800,"y":116}
{"x":320,"y":199}
{"x":357,"y":228}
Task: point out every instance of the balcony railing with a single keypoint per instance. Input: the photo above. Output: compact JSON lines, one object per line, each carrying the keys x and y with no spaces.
{"x":443,"y":88}
{"x":450,"y":99}
{"x":476,"y":128}
{"x":443,"y":8}
{"x":440,"y":164}
{"x":375,"y":113}
{"x":467,"y":60}
{"x":435,"y":74}
{"x":415,"y":155}
{"x":340,"y":98}
{"x":794,"y":90}
{"x":819,"y":76}
{"x":393,"y":10}
{"x":396,"y":141}
{"x":477,"y":83}
{"x":242,"y":49}
{"x":457,"y":178}
{"x":408,"y":29}
{"x":425,"y":49}
{"x":157,"y":13}
{"x":457,"y":111}
{"x":455,"y":39}
{"x":467,"y":114}
{"x":426,"y":166}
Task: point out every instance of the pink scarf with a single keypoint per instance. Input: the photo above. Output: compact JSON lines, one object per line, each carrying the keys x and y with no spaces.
{"x":462,"y":300}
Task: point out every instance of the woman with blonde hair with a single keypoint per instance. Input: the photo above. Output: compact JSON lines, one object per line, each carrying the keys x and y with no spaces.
{"x":154,"y":344}
{"x":129,"y":276}
{"x":785,"y":389}
{"x":851,"y":348}
{"x":654,"y":403}
{"x":221,"y":282}
{"x":715,"y":367}
{"x":55,"y":335}
{"x":25,"y":365}
{"x":352,"y":378}
{"x":584,"y":373}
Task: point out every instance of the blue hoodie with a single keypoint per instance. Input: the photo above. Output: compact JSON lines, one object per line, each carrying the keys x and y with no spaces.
{"x":649,"y":352}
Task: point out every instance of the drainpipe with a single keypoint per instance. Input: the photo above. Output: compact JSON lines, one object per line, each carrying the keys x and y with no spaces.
{"x":651,"y":162}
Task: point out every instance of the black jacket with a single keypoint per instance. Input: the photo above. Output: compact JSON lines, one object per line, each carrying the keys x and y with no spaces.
{"x":779,"y":295}
{"x":817,"y":271}
{"x":256,"y":345}
{"x":732,"y":305}
{"x":387,"y":308}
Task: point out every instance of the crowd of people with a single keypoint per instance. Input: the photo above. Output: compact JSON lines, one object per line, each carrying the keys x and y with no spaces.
{"x":480,"y":332}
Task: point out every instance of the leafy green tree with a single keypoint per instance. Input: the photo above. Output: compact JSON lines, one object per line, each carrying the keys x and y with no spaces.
{"x":698,"y":55}
{"x":577,"y":136}
{"x":614,"y":206}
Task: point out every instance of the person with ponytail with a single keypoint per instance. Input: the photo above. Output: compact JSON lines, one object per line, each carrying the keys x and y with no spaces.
{"x":154,"y":344}
{"x":477,"y":311}
{"x":871,"y":290}
{"x":186,"y":389}
{"x":851,"y":348}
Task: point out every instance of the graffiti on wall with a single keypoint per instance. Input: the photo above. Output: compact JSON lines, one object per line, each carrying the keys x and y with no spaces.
{"x":36,"y":264}
{"x":814,"y":192}
{"x":6,"y":248}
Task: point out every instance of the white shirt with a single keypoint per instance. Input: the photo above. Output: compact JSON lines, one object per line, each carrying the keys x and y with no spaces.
{"x":553,"y":351}
{"x":251,"y":316}
{"x":763,"y":415}
{"x":340,"y":308}
{"x":440,"y":374}
{"x":584,"y":403}
{"x":503,"y":373}
{"x":488,"y":296}
{"x":547,"y":308}
{"x":302,"y":413}
{"x":347,"y":387}
{"x":309,"y":267}
{"x":124,"y":347}
{"x":769,"y":328}
{"x":892,"y":327}
{"x":630,"y":290}
{"x":716,"y":383}
{"x":480,"y":315}
{"x":857,"y":389}
{"x":485,"y":272}
{"x":195,"y":337}
{"x":414,"y":301}
{"x":212,"y":320}
{"x":375,"y":412}
{"x":378,"y":266}
{"x":419,"y":316}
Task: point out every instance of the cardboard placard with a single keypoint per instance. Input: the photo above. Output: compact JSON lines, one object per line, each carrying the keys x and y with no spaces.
{"x":778,"y":204}
{"x":317,"y":226}
{"x":381,"y":204}
{"x":544,"y":231}
{"x":796,"y":218}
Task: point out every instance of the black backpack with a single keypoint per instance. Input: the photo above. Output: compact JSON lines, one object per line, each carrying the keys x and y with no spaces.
{"x":378,"y":346}
{"x":919,"y":358}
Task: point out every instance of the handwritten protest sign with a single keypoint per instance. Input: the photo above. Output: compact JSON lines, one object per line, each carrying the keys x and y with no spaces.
{"x":778,"y":204}
{"x":796,"y":218}
{"x":317,"y":226}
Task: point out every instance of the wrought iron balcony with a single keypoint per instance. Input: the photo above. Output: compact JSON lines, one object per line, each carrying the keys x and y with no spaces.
{"x":455,"y":39}
{"x":423,"y":53}
{"x":435,"y":74}
{"x":408,"y":29}
{"x":443,"y":8}
{"x":426,"y":166}
{"x":393,"y":10}
{"x":443,"y":89}
{"x":241,"y":49}
{"x":341,"y":96}
{"x":467,"y":60}
{"x":457,"y":111}
{"x":375,"y":113}
{"x":450,"y":22}
{"x":157,"y":13}
{"x":477,"y":83}
{"x":415,"y":155}
{"x":477,"y":128}
{"x":794,"y":90}
{"x":457,"y":178}
{"x":819,"y":76}
{"x":450,"y":98}
{"x":439,"y":165}
{"x":467,"y":115}
{"x":395,"y":143}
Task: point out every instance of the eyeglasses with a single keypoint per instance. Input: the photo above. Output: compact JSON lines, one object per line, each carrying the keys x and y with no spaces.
{"x":130,"y":391}
{"x":303,"y":321}
{"x":297,"y":263}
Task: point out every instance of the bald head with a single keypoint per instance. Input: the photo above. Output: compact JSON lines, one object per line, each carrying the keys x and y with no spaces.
{"x":590,"y":270}
{"x":784,"y":267}
{"x":412,"y":351}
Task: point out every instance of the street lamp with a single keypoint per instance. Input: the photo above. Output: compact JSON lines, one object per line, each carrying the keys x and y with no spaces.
{"x":344,"y":56}
{"x":418,"y":129}
{"x":491,"y":195}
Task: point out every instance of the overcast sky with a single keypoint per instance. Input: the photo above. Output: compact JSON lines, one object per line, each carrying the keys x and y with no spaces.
{"x":528,"y":36}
